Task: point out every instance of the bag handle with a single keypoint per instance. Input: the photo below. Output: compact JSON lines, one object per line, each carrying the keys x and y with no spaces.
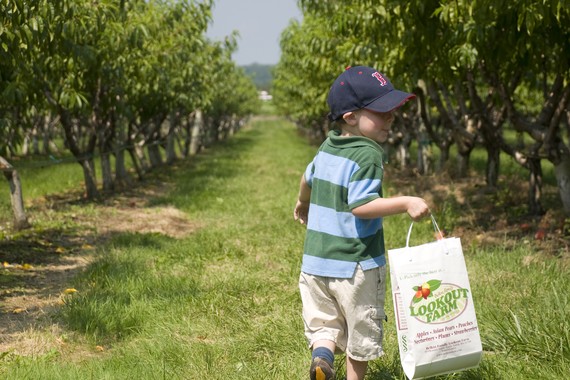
{"x":435,"y":228}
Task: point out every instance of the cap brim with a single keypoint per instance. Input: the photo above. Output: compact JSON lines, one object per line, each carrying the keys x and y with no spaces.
{"x":389,"y":101}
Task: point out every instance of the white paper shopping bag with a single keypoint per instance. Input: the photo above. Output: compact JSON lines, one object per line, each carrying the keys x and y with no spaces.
{"x":435,"y":316}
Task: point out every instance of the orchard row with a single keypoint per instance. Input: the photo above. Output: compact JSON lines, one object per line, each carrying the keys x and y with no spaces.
{"x":111,"y":78}
{"x":489,"y":73}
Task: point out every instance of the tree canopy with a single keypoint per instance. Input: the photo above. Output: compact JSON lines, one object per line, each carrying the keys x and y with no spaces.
{"x":114,"y":77}
{"x":482,"y":71}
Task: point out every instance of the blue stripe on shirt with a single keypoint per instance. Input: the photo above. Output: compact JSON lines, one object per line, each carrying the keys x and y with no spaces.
{"x":337,"y":170}
{"x":359,"y":190}
{"x":334,"y":169}
{"x":319,"y":266}
{"x":336,"y":268}
{"x":343,"y":224}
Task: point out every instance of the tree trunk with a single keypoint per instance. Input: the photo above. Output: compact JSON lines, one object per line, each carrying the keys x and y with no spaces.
{"x":424,"y":159}
{"x":463,"y":159}
{"x":234,"y":126}
{"x":424,"y":150}
{"x":88,"y":167}
{"x":16,"y":197}
{"x":46,"y":135}
{"x":122,"y":176}
{"x":197,"y":128}
{"x":28,"y":141}
{"x":403,"y":155}
{"x":141,"y":157}
{"x":449,"y":127}
{"x":105,"y":138}
{"x":187,"y":125}
{"x":107,"y":173}
{"x":133,"y":148}
{"x":465,"y":141}
{"x":84,"y":156}
{"x":171,"y":138}
{"x":154,"y":155}
{"x":535,"y":187}
{"x":493,"y":165}
{"x":136,"y":163}
{"x":443,"y":156}
{"x":48,"y":125}
{"x":171,"y":148}
{"x":562,"y":174}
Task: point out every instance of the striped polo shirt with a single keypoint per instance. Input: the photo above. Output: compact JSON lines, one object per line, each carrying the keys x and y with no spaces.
{"x":346,"y":173}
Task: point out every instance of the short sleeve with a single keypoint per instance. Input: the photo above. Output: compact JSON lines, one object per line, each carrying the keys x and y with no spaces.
{"x":365,"y":185}
{"x":310,"y":173}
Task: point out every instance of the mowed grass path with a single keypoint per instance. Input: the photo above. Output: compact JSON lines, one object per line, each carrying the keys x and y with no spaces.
{"x":223,"y":302}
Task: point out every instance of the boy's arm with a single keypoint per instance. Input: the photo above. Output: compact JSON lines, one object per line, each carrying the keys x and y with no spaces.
{"x":301,"y":212}
{"x":416,"y":207}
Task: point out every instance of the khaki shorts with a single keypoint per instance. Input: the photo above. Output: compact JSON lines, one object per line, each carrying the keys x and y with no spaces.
{"x":347,"y":311}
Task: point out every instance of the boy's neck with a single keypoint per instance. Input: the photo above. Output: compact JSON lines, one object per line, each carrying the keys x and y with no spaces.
{"x":349,"y":131}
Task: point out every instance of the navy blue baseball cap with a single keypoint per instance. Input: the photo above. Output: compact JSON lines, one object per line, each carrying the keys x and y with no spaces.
{"x":363,"y":87}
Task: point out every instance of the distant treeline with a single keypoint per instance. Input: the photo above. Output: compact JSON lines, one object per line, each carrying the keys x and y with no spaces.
{"x":261,"y":74}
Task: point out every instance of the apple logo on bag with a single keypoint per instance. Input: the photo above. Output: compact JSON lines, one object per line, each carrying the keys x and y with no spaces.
{"x":437,"y":302}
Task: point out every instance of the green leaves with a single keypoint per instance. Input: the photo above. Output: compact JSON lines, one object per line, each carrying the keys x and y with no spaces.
{"x":434,"y":284}
{"x":100,"y":64}
{"x":76,"y":45}
{"x":464,"y":56}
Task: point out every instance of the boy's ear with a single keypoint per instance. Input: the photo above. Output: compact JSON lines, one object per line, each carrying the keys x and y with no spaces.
{"x":349,"y":118}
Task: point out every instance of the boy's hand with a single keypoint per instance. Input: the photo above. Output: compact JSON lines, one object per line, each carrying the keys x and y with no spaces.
{"x":301,"y":212}
{"x":417,"y":208}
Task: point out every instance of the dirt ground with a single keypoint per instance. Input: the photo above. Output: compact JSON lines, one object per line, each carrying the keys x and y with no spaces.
{"x":39,"y":265}
{"x":490,"y":216}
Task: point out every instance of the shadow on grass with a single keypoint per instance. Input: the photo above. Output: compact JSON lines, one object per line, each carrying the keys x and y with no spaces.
{"x":126,"y":290}
{"x":39,"y":272}
{"x":35,"y":269}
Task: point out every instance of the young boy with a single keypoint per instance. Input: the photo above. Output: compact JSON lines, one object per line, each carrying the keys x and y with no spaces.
{"x":343,"y":274}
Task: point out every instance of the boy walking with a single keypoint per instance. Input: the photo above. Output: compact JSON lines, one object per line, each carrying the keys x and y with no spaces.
{"x":342,"y":281}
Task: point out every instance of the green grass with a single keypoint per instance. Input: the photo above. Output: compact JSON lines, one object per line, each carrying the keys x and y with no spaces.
{"x":223,"y":303}
{"x":37,"y":178}
{"x":42,"y":176}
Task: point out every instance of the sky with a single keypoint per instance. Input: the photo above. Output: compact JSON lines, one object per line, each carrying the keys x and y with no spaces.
{"x":259,"y":23}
